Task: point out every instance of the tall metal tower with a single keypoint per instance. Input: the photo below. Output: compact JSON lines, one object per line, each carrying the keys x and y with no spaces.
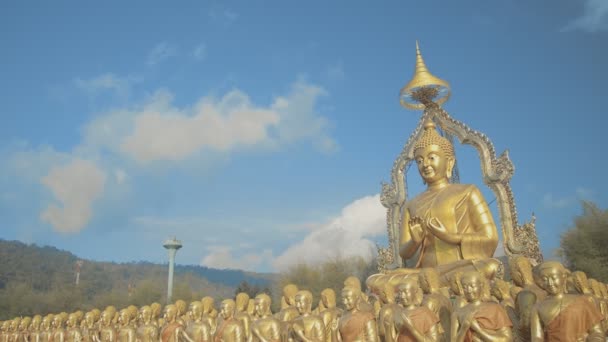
{"x":172,"y":245}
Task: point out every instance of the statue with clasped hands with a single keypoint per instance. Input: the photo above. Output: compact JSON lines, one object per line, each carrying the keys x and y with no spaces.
{"x":448,"y":227}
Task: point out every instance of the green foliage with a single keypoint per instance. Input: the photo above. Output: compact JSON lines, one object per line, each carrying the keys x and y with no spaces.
{"x":251,"y":289}
{"x":583,"y":246}
{"x":329,"y":274}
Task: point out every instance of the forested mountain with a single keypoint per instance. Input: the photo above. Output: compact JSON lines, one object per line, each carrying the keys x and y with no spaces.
{"x":38,"y":280}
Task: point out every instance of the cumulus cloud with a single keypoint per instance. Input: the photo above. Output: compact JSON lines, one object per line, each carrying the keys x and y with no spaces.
{"x":551,"y":201}
{"x":76,"y":186}
{"x":222,"y":257}
{"x":593,"y":19}
{"x":161,"y":131}
{"x":345,"y":236}
{"x":161,"y":52}
{"x":107,"y":82}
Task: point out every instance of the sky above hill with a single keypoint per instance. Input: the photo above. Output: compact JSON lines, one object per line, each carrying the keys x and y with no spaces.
{"x":258,"y":133}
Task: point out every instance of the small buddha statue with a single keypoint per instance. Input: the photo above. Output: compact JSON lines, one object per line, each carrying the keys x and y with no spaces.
{"x":209,"y":312}
{"x":561,"y":316}
{"x":251,"y":308}
{"x":355,"y":325}
{"x":181,"y":307}
{"x":147,"y":331}
{"x":328,"y":311}
{"x":24,"y":334}
{"x":107,"y":331}
{"x":387,"y":312}
{"x":241,"y":301}
{"x":266,"y":328}
{"x":173,"y":330}
{"x":435,"y":299}
{"x":58,"y":329}
{"x":156,"y":314}
{"x":520,"y":315}
{"x":501,"y":290}
{"x":457,"y":296}
{"x":229,"y":329}
{"x":307,"y":327}
{"x":355,"y":283}
{"x":480,"y":319}
{"x":72,"y":332}
{"x":601,"y":303}
{"x":14,"y":329}
{"x":4,"y":331}
{"x":35,"y":332}
{"x":289,"y":312}
{"x":414,"y":322}
{"x":89,"y":328}
{"x":46,"y":334}
{"x":126,"y":331}
{"x":197,"y":330}
{"x":521,"y":274}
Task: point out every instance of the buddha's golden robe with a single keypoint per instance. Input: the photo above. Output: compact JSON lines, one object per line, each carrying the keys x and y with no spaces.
{"x":462,"y":210}
{"x":573,"y":322}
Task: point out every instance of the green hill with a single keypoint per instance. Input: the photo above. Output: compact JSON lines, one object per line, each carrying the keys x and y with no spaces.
{"x":40,"y":280}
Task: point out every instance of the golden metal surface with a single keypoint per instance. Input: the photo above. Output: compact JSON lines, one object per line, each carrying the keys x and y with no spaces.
{"x":424,"y":87}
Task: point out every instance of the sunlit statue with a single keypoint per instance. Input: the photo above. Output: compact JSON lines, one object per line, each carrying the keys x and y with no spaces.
{"x":181,"y":307}
{"x":389,"y":308}
{"x":328,"y":311}
{"x":107,"y":333}
{"x":173,"y":330}
{"x":307,"y":327}
{"x":197,"y":329}
{"x":355,"y":325}
{"x":126,"y":331}
{"x":241,"y":314}
{"x":46,"y":327}
{"x":561,"y":316}
{"x":355,"y":283}
{"x":457,"y":294}
{"x":35,"y":329}
{"x":4,"y":331}
{"x":147,"y":331}
{"x":520,"y":315}
{"x":501,"y":290}
{"x":156,"y":314}
{"x":521,"y":274}
{"x":266,"y":328}
{"x":448,"y":227}
{"x":415,"y":322}
{"x":288,"y":311}
{"x":229,"y":329}
{"x":24,"y":333}
{"x":597,"y":296}
{"x":209,"y":312}
{"x":435,"y":299}
{"x":72,"y":333}
{"x":479,"y":320}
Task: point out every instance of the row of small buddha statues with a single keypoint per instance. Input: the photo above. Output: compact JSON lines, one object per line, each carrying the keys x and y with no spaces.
{"x":544,"y":303}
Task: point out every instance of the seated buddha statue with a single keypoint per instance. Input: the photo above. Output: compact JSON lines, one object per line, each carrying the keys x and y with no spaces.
{"x":448,"y":227}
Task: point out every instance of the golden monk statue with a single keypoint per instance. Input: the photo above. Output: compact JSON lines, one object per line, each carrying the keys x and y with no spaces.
{"x":73,"y":333}
{"x":435,"y":299}
{"x":355,"y":283}
{"x":197,"y":330}
{"x":266,"y":328}
{"x":448,"y":227}
{"x":90,"y":327}
{"x":24,"y":333}
{"x":241,"y":314}
{"x":355,"y":325}
{"x":328,"y":311}
{"x":107,"y":333}
{"x":307,"y":327}
{"x":147,"y":331}
{"x":126,"y":331}
{"x":46,"y":334}
{"x":501,"y":290}
{"x":561,"y":316}
{"x":414,"y":322}
{"x":457,"y":293}
{"x":479,"y":320}
{"x":288,"y":311}
{"x":521,"y":274}
{"x":35,"y":329}
{"x":58,"y":331}
{"x":173,"y":330}
{"x":4,"y":331}
{"x":387,"y":312}
{"x":229,"y":328}
{"x":209,"y":312}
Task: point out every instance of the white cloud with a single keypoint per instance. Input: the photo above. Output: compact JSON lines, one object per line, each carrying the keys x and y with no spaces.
{"x":553,"y":202}
{"x":120,"y":175}
{"x":593,"y":19}
{"x":76,"y":186}
{"x":107,"y":82}
{"x":161,"y":52}
{"x":161,"y":131}
{"x":343,"y":236}
{"x":222,"y":257}
{"x":200,"y":52}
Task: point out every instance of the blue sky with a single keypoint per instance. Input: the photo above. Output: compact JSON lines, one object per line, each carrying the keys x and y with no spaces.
{"x":258,"y":133}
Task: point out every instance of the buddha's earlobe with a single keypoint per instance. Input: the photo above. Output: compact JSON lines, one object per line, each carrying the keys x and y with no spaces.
{"x":451,"y":161}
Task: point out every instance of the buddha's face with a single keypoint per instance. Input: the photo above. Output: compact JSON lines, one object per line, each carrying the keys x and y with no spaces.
{"x":226,"y":310}
{"x":407,"y":294}
{"x":261,"y":306}
{"x":433,"y":164}
{"x":302,"y":304}
{"x":170,"y":313}
{"x":124,"y":318}
{"x":472,"y":287}
{"x":106,"y":318}
{"x":195,"y":310}
{"x":348,"y":299}
{"x":145,"y":313}
{"x":553,"y":280}
{"x":57,"y":322}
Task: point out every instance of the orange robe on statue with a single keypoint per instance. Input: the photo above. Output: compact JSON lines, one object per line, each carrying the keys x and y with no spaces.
{"x":573,"y":322}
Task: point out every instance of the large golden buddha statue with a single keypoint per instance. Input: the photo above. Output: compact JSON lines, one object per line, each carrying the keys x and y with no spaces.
{"x":448,"y":227}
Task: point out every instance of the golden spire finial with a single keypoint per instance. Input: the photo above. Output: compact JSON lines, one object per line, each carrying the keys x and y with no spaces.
{"x":423,"y":87}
